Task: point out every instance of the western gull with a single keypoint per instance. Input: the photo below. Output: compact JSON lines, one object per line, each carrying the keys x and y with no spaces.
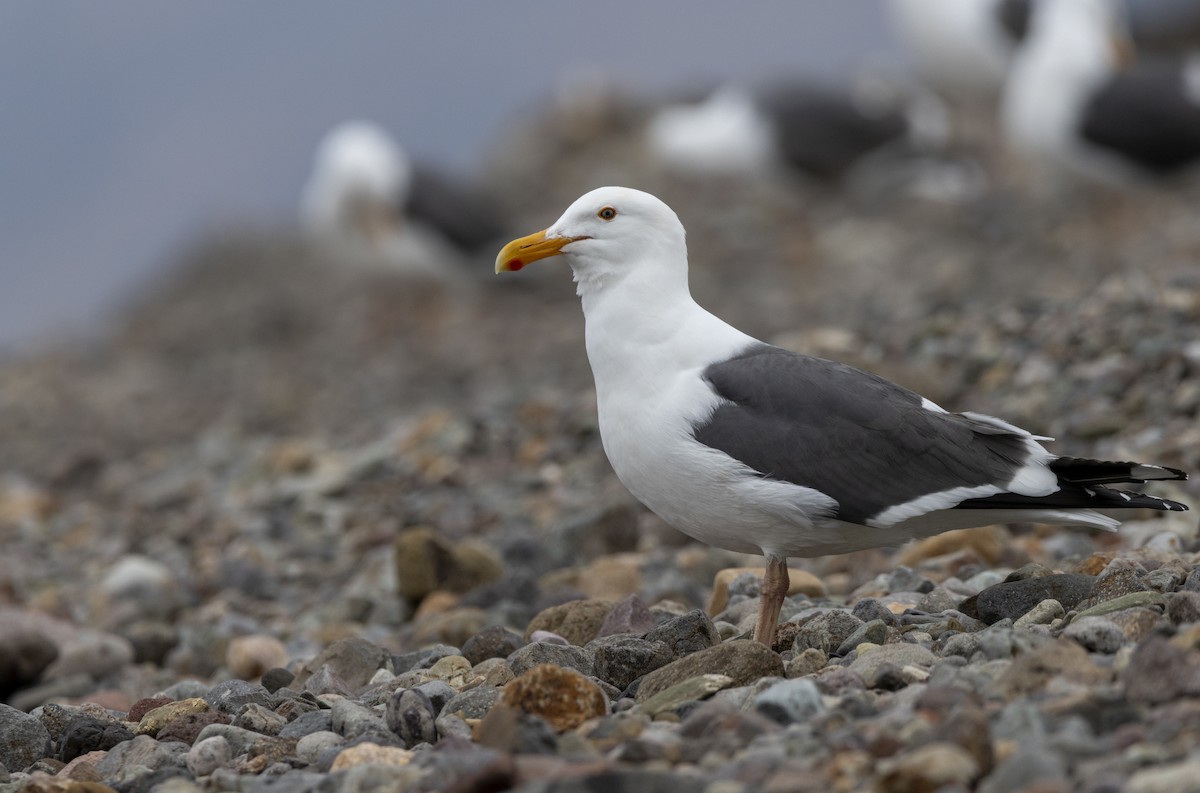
{"x":365,"y":189}
{"x":756,"y":449}
{"x":1074,"y":104}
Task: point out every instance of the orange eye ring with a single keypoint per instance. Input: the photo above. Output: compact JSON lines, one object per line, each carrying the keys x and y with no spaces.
{"x":606,"y":213}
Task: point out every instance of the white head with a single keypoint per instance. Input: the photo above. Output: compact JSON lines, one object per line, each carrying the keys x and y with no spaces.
{"x":357,"y":167}
{"x":609,"y":236}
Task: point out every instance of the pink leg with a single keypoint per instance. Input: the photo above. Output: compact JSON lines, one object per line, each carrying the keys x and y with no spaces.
{"x":774,"y":590}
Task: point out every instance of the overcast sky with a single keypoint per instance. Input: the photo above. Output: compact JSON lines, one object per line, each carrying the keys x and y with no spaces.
{"x":128,"y":127}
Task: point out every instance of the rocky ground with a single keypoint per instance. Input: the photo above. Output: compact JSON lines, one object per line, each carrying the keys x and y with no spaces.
{"x":296,"y":523}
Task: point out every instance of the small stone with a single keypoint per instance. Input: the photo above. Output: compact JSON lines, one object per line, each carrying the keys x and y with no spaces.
{"x":232,"y":695}
{"x":139,"y":756}
{"x":539,"y":653}
{"x":155,"y":720}
{"x":248,"y":657}
{"x":827,"y":631}
{"x":744,"y":661}
{"x":371,"y":754}
{"x":562,"y":697}
{"x":327,"y":681}
{"x":240,"y":740}
{"x":806,"y":663}
{"x":1120,"y":577}
{"x":621,"y":659}
{"x":628,"y":616}
{"x":473,"y":703}
{"x":1131,"y":600}
{"x":411,"y":715}
{"x":208,"y":755}
{"x":931,"y":767}
{"x":352,"y":719}
{"x":691,"y":690}
{"x":421,"y":659}
{"x":308,"y":723}
{"x":790,"y":701}
{"x":277,"y":678}
{"x":1030,"y":768}
{"x":188,"y":727}
{"x":493,"y":642}
{"x":310,"y":747}
{"x":426,"y":562}
{"x":874,"y":631}
{"x":686,"y":634}
{"x":867,"y":665}
{"x":23,"y":739}
{"x":143,"y":706}
{"x":577,"y":621}
{"x":354,"y":661}
{"x":257,"y":718}
{"x":1043,"y":613}
{"x":513,"y":731}
{"x":869,"y":609}
{"x":438,"y":693}
{"x":88,"y":734}
{"x":1096,"y":634}
{"x":1013,"y":599}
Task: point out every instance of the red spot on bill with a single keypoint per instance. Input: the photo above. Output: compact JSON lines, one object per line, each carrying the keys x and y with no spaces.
{"x":514,"y":264}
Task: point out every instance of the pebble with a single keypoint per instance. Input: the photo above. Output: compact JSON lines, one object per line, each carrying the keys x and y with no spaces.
{"x":790,"y":701}
{"x":868,"y":664}
{"x":827,"y":631}
{"x":410,"y":715}
{"x":23,"y":739}
{"x":353,"y":661}
{"x":621,"y":659}
{"x":495,"y":641}
{"x":1013,"y":599}
{"x":154,"y":720}
{"x":208,"y":755}
{"x":540,"y":653}
{"x":934,"y":766}
{"x":628,"y":616}
{"x":563,"y":698}
{"x":249,"y":657}
{"x":743,"y":661}
{"x":1096,"y":634}
{"x":693,"y":689}
{"x":578,"y":621}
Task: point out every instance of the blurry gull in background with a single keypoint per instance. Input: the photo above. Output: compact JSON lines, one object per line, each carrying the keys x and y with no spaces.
{"x":369,"y":200}
{"x":876,"y":132}
{"x":1077,"y":103}
{"x":961,"y":49}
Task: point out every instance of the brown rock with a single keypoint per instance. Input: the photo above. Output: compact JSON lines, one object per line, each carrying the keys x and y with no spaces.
{"x":156,"y":719}
{"x":630,"y":616}
{"x":249,"y":656}
{"x":987,"y":542}
{"x":452,"y":627}
{"x":928,"y":768}
{"x":561,"y":697}
{"x":144,"y":706}
{"x":577,"y":621}
{"x":426,"y":561}
{"x":611,"y":577}
{"x":372,"y":754}
{"x":743,"y":661}
{"x":1161,"y":671}
{"x":799,"y":582}
{"x":41,"y":783}
{"x":187,"y":728}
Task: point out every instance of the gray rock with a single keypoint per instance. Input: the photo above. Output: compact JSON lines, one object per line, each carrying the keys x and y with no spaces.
{"x":1043,"y":613}
{"x":421,"y":659}
{"x":307,"y":723}
{"x":88,"y":734}
{"x":869,"y":609}
{"x":352,"y":719}
{"x":411,"y":716}
{"x":566,"y":655}
{"x":790,"y":701}
{"x":629,"y":616}
{"x":208,"y":755}
{"x":326,"y":681}
{"x":24,"y":655}
{"x":898,"y":655}
{"x":1180,"y":777}
{"x":494,"y":642}
{"x":874,"y":631}
{"x":438,"y":692}
{"x":473,"y":703}
{"x":453,"y":726}
{"x":1012,"y":599}
{"x":310,"y":747}
{"x":257,"y":718}
{"x":1121,"y":577}
{"x":905,"y":579}
{"x":686,"y":634}
{"x":619,"y":660}
{"x":827,"y":632}
{"x":1160,"y":672}
{"x":743,"y":661}
{"x":1028,"y":766}
{"x":240,"y":739}
{"x":353,"y":660}
{"x":141,"y":756}
{"x":1096,"y":634}
{"x":1183,"y":607}
{"x":23,"y":739}
{"x":233,"y":695}
{"x":275,"y":679}
{"x":186,"y":689}
{"x":939,"y":599}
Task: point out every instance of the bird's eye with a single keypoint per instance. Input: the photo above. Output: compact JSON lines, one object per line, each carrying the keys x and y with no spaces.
{"x":606,"y":213}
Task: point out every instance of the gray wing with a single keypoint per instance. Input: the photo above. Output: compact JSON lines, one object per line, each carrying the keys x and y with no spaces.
{"x":864,"y":441}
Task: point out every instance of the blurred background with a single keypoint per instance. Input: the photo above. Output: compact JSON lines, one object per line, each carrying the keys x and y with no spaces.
{"x":135,"y":127}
